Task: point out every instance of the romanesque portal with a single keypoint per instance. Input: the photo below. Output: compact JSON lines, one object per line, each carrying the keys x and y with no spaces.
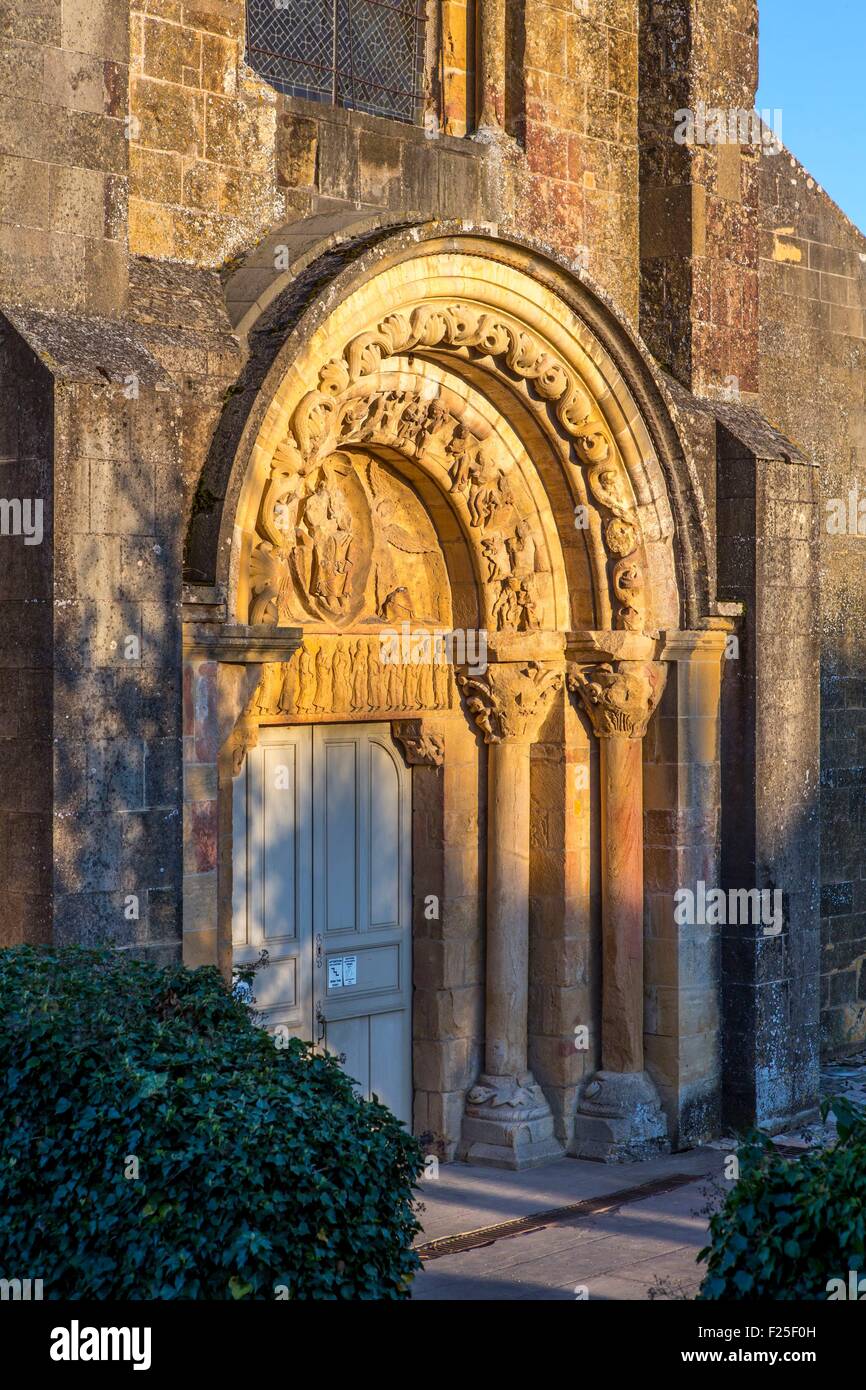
{"x":452,"y":519}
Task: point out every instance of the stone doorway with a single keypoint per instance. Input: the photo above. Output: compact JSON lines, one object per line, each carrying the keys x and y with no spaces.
{"x":449,"y":453}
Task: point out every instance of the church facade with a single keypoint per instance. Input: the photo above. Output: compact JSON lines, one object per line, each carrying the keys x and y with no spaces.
{"x":432,"y":558}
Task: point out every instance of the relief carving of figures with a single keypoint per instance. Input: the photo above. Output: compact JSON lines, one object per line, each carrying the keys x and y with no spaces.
{"x":341,"y":541}
{"x":462,"y":327}
{"x":441,"y":679}
{"x":374,"y":676}
{"x":325,"y":540}
{"x":340,"y":670}
{"x":344,"y":553}
{"x":514,"y":609}
{"x":306,"y":685}
{"x":478,"y":474}
{"x":338,"y":676}
{"x":359,"y":676}
{"x":426,"y":694}
{"x":323,"y":701}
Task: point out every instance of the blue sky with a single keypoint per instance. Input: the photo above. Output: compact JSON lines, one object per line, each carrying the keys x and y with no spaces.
{"x":813,"y":67}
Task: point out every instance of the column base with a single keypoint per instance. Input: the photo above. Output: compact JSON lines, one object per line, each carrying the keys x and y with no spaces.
{"x":619,"y":1119}
{"x":508,"y":1124}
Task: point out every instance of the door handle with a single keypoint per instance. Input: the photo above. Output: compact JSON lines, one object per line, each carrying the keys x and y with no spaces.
{"x":319,"y":951}
{"x":321,"y":1021}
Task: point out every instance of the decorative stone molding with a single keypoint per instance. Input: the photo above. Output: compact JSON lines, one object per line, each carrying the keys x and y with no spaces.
{"x":320,"y":526}
{"x":239,"y":644}
{"x":619,"y":699}
{"x":247,"y":657}
{"x":420,"y":748}
{"x":510,"y":700}
{"x":619,"y":1119}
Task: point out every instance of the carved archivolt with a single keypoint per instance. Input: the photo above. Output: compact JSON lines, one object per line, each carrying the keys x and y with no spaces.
{"x":322,"y":530}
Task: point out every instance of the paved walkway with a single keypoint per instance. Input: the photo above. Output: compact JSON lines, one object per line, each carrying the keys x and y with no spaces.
{"x":618,"y":1245}
{"x":632,"y":1248}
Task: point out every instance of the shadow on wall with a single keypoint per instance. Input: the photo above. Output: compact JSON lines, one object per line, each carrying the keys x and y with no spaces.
{"x":90,"y":643}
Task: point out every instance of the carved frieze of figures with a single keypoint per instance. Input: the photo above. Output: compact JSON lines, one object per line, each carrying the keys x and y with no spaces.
{"x":352,"y":675}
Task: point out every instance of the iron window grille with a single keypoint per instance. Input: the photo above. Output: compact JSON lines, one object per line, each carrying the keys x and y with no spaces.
{"x":366,"y":54}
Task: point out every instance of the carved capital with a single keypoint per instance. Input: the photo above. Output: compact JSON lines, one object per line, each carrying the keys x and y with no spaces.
{"x":420,"y":748}
{"x":619,"y":699}
{"x":511,"y":699}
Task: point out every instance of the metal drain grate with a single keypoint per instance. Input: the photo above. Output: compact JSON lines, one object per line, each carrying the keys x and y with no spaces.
{"x":576,"y":1211}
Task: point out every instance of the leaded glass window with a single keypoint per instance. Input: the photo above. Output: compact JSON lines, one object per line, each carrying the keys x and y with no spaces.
{"x":367,"y":54}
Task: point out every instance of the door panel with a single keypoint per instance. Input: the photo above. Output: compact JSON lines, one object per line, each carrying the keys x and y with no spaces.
{"x":384,"y":829}
{"x":322,"y":881}
{"x":337,"y":798}
{"x":363,"y":985}
{"x":272,"y":888}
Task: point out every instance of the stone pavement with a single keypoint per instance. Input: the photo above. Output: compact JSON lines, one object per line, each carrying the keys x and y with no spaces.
{"x":638,"y":1248}
{"x":635,"y":1248}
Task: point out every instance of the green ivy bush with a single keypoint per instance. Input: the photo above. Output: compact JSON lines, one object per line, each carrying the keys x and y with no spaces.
{"x":260,"y":1174}
{"x":789,"y":1226}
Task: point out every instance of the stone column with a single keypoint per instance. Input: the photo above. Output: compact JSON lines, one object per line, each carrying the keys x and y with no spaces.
{"x":491,"y":66}
{"x":619,"y":1116}
{"x":508,"y":1122}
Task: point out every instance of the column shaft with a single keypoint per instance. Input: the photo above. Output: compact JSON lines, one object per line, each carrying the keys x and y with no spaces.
{"x":491,"y":64}
{"x":507,"y":907}
{"x":622,"y":904}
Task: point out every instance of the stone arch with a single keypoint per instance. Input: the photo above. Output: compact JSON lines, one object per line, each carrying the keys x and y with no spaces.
{"x":598,"y":440}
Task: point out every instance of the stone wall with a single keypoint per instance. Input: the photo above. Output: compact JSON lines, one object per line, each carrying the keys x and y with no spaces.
{"x":64,"y":154}
{"x":116,"y":699}
{"x":217,"y":157}
{"x":699,"y":242}
{"x":813,"y":354}
{"x":203,"y":177}
{"x":26,"y":438}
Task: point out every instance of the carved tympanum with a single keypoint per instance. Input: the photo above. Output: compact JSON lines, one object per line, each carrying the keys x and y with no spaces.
{"x":511,"y":699}
{"x":343,"y":540}
{"x":619,"y":699}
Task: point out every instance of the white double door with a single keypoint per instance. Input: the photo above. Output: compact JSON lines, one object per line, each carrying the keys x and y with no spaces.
{"x":322,"y":882}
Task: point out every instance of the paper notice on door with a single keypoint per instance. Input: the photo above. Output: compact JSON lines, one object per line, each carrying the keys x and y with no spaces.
{"x":342,"y":971}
